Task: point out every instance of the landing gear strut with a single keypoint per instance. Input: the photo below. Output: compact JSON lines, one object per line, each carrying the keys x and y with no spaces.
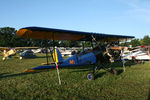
{"x":91,"y":75}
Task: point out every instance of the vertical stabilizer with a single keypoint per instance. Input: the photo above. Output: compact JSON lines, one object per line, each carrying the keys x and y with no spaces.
{"x":57,"y":56}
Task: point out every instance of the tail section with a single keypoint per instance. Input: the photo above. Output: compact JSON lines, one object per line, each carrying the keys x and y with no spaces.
{"x":57,"y":56}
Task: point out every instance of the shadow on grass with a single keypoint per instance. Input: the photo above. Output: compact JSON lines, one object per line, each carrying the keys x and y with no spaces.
{"x":3,"y":74}
{"x":6,"y":75}
{"x":119,"y":72}
{"x":99,"y":75}
{"x":130,"y":63}
{"x":149,"y":94}
{"x":83,"y":69}
{"x":120,"y":64}
{"x":41,"y":56}
{"x":102,"y":73}
{"x":79,"y":67}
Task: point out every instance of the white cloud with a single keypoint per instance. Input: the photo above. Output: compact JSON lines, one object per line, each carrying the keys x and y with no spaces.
{"x":140,"y":13}
{"x":139,"y":9}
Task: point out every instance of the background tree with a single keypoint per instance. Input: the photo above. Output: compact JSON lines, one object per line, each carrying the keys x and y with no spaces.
{"x":65,"y":43}
{"x":135,"y":42}
{"x":6,"y":36}
{"x":145,"y":40}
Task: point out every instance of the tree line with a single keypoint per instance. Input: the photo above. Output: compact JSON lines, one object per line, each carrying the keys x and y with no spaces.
{"x":8,"y":38}
{"x":137,"y":42}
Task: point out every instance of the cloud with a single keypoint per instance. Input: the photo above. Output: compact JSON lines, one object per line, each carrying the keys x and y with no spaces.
{"x":140,"y":13}
{"x":138,"y":9}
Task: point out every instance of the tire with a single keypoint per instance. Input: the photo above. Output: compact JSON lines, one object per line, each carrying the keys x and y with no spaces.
{"x":90,"y":76}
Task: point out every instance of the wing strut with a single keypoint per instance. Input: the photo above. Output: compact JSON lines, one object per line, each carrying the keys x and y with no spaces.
{"x":55,"y":60}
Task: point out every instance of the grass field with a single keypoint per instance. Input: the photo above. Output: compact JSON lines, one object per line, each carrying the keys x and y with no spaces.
{"x":134,"y":84}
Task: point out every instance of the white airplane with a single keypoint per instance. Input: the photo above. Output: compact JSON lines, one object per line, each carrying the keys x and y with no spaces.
{"x":66,"y":52}
{"x":141,"y":53}
{"x":37,"y":50}
{"x":9,"y":52}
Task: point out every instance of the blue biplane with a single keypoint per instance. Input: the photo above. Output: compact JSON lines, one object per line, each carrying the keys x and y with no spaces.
{"x":99,"y":54}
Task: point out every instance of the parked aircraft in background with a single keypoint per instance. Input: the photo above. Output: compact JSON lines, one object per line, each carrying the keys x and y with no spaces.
{"x":66,"y":53}
{"x":17,"y":52}
{"x":39,"y":50}
{"x":140,"y":53}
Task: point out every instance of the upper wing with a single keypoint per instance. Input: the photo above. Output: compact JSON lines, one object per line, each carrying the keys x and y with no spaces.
{"x":59,"y":34}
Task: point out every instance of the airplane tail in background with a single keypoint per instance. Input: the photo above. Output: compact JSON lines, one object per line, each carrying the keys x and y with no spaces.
{"x":57,"y":56}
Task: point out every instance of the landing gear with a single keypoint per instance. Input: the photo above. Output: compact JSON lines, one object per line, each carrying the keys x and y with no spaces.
{"x":90,"y":76}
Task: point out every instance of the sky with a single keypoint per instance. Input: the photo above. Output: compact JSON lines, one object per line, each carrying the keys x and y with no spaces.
{"x":121,"y":17}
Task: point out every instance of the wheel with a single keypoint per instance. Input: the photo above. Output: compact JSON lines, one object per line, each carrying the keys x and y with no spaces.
{"x":90,"y":76}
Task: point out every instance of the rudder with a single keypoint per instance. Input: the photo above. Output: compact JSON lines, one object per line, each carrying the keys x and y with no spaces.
{"x":57,"y":56}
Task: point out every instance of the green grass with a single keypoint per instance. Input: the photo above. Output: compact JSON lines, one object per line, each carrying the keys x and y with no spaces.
{"x":134,"y":84}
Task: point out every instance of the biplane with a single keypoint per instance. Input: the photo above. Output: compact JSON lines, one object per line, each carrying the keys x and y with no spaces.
{"x":16,"y":52}
{"x":98,"y":55}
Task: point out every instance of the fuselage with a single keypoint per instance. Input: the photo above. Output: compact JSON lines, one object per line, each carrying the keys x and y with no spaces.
{"x":85,"y":58}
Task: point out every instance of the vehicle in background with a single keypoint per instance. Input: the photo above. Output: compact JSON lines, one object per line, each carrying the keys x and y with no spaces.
{"x":27,"y":54}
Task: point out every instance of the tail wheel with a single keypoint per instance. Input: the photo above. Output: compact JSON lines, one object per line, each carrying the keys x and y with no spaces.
{"x":90,"y":76}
